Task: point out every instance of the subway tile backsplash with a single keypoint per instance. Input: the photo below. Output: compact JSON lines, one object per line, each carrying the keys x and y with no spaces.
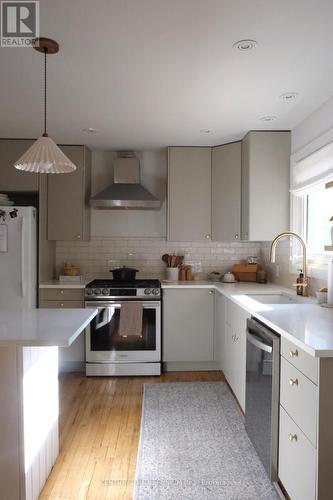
{"x":98,"y":256}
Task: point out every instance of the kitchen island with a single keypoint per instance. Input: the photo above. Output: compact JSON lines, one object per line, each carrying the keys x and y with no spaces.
{"x":29,"y":413}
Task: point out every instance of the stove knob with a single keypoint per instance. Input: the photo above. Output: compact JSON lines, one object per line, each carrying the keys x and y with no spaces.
{"x":156,"y":291}
{"x":105,"y":291}
{"x":90,"y":291}
{"x":97,"y":291}
{"x":147,"y":291}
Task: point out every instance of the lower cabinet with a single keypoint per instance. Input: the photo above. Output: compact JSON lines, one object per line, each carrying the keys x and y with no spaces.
{"x":235,"y":350}
{"x":297,"y":460}
{"x":188,"y":325}
{"x":306,"y":415}
{"x":71,"y":358}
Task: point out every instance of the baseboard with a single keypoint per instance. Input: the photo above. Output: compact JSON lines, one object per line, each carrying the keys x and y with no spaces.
{"x":197,"y":366}
{"x":71,"y":366}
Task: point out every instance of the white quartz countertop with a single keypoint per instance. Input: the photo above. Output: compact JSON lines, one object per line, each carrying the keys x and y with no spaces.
{"x":304,"y":323}
{"x":43,"y":327}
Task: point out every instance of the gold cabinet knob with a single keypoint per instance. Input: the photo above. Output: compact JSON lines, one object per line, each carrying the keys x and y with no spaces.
{"x":207,"y":236}
{"x":62,"y":292}
{"x":211,"y":292}
{"x":293,"y":381}
{"x":293,"y":354}
{"x":61,"y":305}
{"x":236,"y":236}
{"x":292,"y":437}
{"x":78,"y":236}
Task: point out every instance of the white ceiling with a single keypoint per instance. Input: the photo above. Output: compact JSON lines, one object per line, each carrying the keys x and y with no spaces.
{"x":152,"y":73}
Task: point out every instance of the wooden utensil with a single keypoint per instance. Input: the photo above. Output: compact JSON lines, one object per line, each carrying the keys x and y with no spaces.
{"x":165,"y":258}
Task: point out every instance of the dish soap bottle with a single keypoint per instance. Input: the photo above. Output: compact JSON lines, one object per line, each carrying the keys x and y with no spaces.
{"x":300,"y":279}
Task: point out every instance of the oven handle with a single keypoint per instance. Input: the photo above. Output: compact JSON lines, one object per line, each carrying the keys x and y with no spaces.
{"x":148,"y":303}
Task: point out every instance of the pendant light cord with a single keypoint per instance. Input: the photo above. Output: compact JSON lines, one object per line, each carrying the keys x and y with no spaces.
{"x":45,"y":102}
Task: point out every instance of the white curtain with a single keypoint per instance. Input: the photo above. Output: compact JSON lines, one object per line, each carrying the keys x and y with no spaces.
{"x":313,"y":170}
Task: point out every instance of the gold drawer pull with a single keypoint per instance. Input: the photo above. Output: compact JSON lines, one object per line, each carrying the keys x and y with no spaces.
{"x":293,"y":381}
{"x":293,"y":354}
{"x":61,"y":305}
{"x":292,"y":437}
{"x":62,"y":292}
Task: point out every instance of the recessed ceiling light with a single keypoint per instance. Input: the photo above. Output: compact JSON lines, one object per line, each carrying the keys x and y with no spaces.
{"x":289,"y":96}
{"x":206,"y":131}
{"x":90,"y":130}
{"x":268,"y":118}
{"x":245,"y":45}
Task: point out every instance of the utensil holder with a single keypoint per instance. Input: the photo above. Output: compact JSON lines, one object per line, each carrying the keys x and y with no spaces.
{"x":172,"y":273}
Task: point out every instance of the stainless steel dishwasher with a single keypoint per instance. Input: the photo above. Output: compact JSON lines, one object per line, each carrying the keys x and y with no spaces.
{"x":262,"y":393}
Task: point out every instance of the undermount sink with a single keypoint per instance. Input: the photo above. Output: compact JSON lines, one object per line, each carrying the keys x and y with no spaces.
{"x":272,"y":298}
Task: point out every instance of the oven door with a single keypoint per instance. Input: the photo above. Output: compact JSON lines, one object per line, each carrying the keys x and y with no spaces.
{"x":105,"y":345}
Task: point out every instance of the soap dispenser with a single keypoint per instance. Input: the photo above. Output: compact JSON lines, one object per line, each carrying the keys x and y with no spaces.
{"x":300,"y":279}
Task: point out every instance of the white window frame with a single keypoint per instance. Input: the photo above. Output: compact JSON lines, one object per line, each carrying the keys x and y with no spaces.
{"x":317,"y":263}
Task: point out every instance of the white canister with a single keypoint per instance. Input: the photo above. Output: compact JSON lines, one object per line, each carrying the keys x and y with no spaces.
{"x":172,"y":273}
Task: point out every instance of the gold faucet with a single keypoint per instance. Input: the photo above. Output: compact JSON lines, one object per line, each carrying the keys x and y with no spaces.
{"x":302,"y":242}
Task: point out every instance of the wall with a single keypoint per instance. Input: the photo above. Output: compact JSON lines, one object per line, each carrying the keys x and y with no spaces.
{"x":314,"y":132}
{"x":99,"y":255}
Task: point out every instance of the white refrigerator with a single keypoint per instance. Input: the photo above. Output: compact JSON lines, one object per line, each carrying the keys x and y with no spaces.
{"x":18,"y":258}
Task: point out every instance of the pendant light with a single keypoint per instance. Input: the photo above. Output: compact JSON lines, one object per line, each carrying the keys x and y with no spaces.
{"x":44,"y":156}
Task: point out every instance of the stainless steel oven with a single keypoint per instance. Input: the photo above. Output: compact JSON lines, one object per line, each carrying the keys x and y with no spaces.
{"x":109,"y":353}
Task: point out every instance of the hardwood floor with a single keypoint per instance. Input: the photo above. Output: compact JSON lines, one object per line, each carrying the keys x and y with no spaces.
{"x":99,"y":434}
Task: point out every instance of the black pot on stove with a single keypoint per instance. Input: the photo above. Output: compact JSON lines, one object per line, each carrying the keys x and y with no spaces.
{"x":124,"y":274}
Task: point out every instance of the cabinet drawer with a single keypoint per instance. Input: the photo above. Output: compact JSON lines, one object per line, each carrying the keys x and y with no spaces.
{"x":298,"y":396}
{"x":61,"y":294}
{"x":297,"y":460}
{"x":58,"y":304}
{"x":306,"y":363}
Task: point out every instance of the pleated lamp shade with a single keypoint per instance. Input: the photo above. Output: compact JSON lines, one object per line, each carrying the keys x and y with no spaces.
{"x":45,"y":157}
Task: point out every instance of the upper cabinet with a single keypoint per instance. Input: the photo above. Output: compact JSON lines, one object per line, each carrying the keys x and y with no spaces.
{"x":12,"y":179}
{"x":68,"y":198}
{"x":226,"y":192}
{"x":189,"y":193}
{"x":265,"y":185}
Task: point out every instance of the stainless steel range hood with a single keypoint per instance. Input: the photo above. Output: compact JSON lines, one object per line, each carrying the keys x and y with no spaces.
{"x":126,"y":192}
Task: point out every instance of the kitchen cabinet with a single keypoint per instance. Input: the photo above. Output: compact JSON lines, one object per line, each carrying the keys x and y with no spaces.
{"x":12,"y":179}
{"x":220,"y":331}
{"x":188,"y":327}
{"x":68,"y":212}
{"x":71,"y":359}
{"x":189,"y":193}
{"x":226,"y":192}
{"x":265,"y":185}
{"x":306,"y":413}
{"x":235,"y":350}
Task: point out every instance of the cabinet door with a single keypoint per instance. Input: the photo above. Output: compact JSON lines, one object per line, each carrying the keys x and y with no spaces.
{"x":189,"y":194}
{"x":68,"y":198}
{"x":236,"y":350}
{"x":226,"y":192}
{"x":297,"y":461}
{"x":265,"y":185}
{"x":10,"y":178}
{"x":188,"y":325}
{"x":220,"y":331}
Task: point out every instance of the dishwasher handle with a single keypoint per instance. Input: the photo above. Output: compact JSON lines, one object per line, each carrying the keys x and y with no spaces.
{"x":258,"y":343}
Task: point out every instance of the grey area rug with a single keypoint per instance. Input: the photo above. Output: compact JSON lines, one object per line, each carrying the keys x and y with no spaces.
{"x":193,"y":446}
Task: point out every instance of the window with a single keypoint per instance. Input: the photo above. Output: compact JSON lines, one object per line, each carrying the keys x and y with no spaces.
{"x":319,"y":210}
{"x":312,"y":203}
